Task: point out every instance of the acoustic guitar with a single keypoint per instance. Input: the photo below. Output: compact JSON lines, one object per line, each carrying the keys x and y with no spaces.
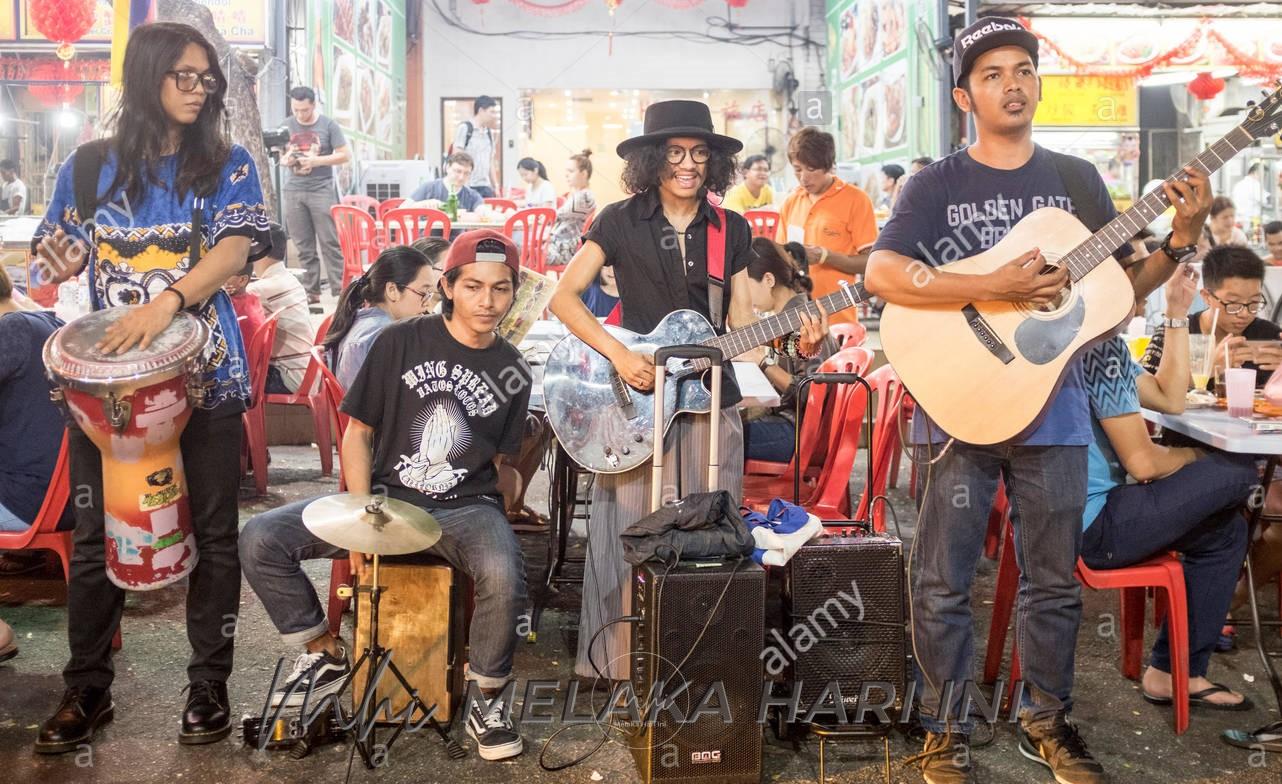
{"x":985,"y":371}
{"x":607,"y":426}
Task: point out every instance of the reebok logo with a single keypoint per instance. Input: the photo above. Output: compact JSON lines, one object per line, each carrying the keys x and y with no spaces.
{"x":991,"y":27}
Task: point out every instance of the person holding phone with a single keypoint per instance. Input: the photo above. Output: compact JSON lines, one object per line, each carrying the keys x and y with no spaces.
{"x":1232,"y":286}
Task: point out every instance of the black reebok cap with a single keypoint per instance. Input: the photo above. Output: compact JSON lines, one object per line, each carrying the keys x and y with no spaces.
{"x":986,"y":34}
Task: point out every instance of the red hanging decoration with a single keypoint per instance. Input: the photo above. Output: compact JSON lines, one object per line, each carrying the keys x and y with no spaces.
{"x":553,"y":9}
{"x":737,"y":3}
{"x":63,"y":21}
{"x":1205,"y":87}
{"x":53,"y":95}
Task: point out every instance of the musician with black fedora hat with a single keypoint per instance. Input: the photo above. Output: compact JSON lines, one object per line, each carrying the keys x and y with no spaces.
{"x":671,"y":249}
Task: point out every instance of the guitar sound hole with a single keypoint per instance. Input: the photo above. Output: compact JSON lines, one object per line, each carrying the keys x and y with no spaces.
{"x":1060,"y":301}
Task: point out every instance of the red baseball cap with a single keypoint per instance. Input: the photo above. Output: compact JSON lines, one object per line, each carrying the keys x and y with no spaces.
{"x":483,"y":245}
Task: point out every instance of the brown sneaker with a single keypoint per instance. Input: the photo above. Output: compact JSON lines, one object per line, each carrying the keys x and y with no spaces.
{"x":945,"y":759}
{"x":1057,"y":745}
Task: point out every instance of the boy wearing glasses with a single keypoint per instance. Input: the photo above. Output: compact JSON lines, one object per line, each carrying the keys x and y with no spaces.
{"x":1232,"y":284}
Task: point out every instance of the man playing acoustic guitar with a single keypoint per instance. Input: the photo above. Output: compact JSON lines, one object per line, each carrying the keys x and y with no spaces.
{"x":957,"y":207}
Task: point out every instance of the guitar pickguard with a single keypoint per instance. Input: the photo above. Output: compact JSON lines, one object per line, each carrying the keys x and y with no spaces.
{"x":1040,"y":341}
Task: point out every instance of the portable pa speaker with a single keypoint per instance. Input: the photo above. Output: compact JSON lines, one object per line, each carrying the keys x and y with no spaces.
{"x":847,"y":594}
{"x":674,"y":605}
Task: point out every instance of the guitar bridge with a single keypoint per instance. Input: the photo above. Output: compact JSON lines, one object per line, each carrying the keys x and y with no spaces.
{"x":987,"y":335}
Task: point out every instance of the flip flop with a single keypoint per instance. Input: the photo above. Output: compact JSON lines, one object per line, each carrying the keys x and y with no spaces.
{"x":1200,"y":698}
{"x":1268,"y":738}
{"x":13,"y":565}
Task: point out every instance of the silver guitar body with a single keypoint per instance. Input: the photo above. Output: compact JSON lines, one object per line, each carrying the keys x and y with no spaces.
{"x":605,"y":425}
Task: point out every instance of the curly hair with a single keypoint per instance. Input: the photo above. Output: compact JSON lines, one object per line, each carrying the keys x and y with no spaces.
{"x":645,"y":167}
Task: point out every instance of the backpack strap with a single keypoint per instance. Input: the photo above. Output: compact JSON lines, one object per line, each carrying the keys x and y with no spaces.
{"x":1070,"y":173}
{"x":86,"y":168}
{"x":716,"y":265}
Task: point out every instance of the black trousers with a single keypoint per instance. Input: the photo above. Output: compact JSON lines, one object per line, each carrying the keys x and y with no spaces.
{"x":211,"y":459}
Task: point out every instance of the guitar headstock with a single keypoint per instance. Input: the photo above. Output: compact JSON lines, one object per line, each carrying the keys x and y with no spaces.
{"x":1264,"y":118}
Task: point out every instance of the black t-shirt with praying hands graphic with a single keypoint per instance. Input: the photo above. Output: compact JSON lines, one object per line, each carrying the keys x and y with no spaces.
{"x":441,"y":412}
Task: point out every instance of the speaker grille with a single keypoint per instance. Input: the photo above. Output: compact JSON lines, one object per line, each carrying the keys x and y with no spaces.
{"x":673,"y":608}
{"x":847,"y":593}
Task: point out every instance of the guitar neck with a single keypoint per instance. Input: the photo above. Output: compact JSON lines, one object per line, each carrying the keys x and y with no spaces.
{"x":761,"y":332}
{"x":1119,"y":231}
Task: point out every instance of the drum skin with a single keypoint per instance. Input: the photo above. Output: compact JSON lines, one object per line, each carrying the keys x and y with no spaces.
{"x":147,"y":520}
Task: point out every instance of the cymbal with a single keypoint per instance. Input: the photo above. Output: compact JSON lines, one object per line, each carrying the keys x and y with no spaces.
{"x":373,"y":524}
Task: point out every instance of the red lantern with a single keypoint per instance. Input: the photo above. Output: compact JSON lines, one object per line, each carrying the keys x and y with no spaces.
{"x":63,"y":21}
{"x":1205,"y":87}
{"x":53,"y":95}
{"x":737,"y":3}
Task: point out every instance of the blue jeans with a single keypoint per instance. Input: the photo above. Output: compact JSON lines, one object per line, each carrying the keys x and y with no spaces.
{"x":1194,"y":511}
{"x":10,"y":522}
{"x":771,"y":438}
{"x":476,"y":539}
{"x":1047,"y":489}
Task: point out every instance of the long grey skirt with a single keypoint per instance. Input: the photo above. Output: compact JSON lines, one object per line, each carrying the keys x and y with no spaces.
{"x":618,"y":501}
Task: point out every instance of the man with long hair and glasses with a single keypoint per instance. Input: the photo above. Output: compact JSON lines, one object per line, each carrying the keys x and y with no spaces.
{"x":657,"y":241}
{"x":436,"y":409}
{"x":957,"y":207}
{"x":166,"y":160}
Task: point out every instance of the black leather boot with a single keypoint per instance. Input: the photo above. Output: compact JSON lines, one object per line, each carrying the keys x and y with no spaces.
{"x":82,"y":711}
{"x":207,"y":717}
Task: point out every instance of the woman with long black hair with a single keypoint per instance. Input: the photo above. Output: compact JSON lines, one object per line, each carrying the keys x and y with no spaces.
{"x":538,"y":191}
{"x":398,"y":285}
{"x":166,"y":167}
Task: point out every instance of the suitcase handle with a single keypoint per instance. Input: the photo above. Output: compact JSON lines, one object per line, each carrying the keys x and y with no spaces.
{"x":834,"y":379}
{"x":688,"y":351}
{"x":661,"y":357}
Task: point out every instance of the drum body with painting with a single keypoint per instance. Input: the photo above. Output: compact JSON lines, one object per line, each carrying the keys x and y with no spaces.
{"x":134,"y":406}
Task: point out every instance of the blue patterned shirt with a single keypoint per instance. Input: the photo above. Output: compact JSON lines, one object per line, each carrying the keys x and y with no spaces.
{"x":139,"y":249}
{"x":1110,"y":375}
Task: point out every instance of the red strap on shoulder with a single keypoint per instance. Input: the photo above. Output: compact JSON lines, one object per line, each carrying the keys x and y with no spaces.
{"x":717,"y":246}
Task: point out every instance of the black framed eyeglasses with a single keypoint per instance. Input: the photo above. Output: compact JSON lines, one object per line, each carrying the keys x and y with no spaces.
{"x":423,"y":295}
{"x":1234,"y":308}
{"x":676,"y":154}
{"x":187,"y":81}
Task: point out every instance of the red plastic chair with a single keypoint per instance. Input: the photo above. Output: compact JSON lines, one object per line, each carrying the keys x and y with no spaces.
{"x":43,"y":533}
{"x":848,"y":334}
{"x":821,"y":429}
{"x":311,"y":395}
{"x":387,"y":205}
{"x":404,"y":225}
{"x":367,"y":203}
{"x":357,"y":238}
{"x":886,"y":443}
{"x":255,"y":416}
{"x":1161,"y":573}
{"x":500,"y":204}
{"x":763,"y":222}
{"x":535,"y":222}
{"x":340,"y":570}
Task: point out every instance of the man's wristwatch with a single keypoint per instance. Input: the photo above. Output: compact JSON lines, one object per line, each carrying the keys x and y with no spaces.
{"x":1178,"y":254}
{"x":1175,"y":323}
{"x":770,"y":358}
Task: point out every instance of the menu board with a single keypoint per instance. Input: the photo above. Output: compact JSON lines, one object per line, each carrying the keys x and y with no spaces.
{"x":875,"y":67}
{"x":357,"y":66}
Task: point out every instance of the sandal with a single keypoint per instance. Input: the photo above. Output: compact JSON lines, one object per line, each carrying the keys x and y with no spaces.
{"x":1227,"y":639}
{"x":1199,"y":698}
{"x":528,"y":521}
{"x":17,"y":563}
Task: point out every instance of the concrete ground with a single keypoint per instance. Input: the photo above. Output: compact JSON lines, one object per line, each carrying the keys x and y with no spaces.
{"x":1134,"y":740}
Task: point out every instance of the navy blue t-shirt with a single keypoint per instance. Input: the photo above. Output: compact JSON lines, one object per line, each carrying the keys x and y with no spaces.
{"x":956,"y":208}
{"x":30,"y":424}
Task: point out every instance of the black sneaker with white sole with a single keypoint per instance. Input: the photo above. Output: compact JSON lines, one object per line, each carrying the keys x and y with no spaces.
{"x":491,"y":727}
{"x":325,"y":674}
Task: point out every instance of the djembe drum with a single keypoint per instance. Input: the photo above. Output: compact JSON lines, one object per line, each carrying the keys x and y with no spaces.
{"x":134,"y":406}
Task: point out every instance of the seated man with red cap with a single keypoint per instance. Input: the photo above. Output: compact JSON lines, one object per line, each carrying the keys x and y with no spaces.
{"x":437,"y":405}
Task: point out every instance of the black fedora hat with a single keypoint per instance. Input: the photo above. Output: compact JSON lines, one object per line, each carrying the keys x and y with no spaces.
{"x":667,"y":119}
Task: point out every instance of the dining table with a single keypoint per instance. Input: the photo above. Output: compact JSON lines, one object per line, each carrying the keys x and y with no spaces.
{"x":1214,"y":427}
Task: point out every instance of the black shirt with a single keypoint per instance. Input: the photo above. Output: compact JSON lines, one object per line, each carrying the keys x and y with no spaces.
{"x":441,"y":411}
{"x":1258,"y":329}
{"x":653,"y":277}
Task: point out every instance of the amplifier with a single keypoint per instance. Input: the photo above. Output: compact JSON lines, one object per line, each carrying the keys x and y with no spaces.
{"x":844,"y":601}
{"x":673,"y":606}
